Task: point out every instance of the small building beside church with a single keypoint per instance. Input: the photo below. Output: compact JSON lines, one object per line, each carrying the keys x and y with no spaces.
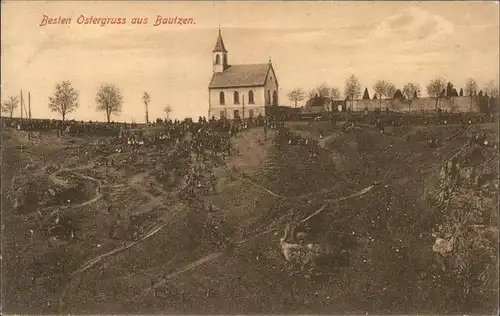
{"x":319,"y":104}
{"x":240,"y":91}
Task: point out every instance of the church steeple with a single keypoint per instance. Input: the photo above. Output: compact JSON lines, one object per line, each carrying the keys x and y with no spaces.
{"x":219,"y":45}
{"x":219,"y":55}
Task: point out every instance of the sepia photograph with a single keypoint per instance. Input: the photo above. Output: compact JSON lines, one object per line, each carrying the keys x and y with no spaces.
{"x":253,"y":157}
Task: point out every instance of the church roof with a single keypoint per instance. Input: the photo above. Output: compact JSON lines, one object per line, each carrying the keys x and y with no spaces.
{"x":241,"y":76}
{"x":219,"y":46}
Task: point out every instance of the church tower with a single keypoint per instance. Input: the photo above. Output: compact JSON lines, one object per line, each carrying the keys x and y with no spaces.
{"x":219,"y":55}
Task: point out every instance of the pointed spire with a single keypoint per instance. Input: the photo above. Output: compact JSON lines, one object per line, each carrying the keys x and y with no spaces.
{"x":270,"y":60}
{"x":219,"y":46}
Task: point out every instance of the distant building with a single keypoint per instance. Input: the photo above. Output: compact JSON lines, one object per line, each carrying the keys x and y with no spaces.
{"x":324,"y":104}
{"x":242,"y":91}
{"x":318,"y":104}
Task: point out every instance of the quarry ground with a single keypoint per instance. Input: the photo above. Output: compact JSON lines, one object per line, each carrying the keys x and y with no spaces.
{"x":382,"y":244}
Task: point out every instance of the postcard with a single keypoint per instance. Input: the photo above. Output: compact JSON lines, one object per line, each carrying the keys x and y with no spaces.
{"x":223,"y":157}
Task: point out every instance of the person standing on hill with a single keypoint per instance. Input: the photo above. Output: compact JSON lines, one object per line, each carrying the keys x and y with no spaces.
{"x":380,"y":126}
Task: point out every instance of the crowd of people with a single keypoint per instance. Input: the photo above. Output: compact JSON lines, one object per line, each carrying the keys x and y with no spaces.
{"x":285,"y":136}
{"x":439,"y":118}
{"x":69,"y":126}
{"x":192,"y":148}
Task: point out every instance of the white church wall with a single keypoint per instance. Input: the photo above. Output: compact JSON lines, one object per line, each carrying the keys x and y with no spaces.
{"x":228,"y":111}
{"x":230,"y":107}
{"x":258,"y":96}
{"x":271,"y":86}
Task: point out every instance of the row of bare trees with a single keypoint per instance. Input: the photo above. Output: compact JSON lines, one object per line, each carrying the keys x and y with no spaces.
{"x":109,"y":99}
{"x":437,"y":89}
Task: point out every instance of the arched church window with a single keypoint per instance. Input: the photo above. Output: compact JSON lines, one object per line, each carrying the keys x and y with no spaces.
{"x":222,"y":100}
{"x":250,"y":97}
{"x":236,"y":97}
{"x":268,"y":101}
{"x":217,"y":59}
{"x":275,"y":98}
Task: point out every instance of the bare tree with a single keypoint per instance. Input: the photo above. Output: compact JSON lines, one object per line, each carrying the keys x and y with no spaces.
{"x":410,"y":91}
{"x":65,"y":99}
{"x":335,"y":93}
{"x":146,"y":98}
{"x":390,"y":90}
{"x":390,"y":93}
{"x":10,"y":105}
{"x":352,"y":89}
{"x":109,"y":99}
{"x":491,"y":88}
{"x":323,"y":91}
{"x":167,"y":110}
{"x":296,"y":95}
{"x":435,"y":89}
{"x":380,"y":90}
{"x":470,"y":90}
{"x":384,"y":89}
{"x":312,"y":94}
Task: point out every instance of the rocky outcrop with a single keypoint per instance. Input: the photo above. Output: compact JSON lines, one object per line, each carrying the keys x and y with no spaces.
{"x":467,"y":205}
{"x":467,"y":182}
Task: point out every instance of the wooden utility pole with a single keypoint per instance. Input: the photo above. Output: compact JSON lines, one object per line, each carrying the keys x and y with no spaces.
{"x":21,"y":104}
{"x":29,"y":105}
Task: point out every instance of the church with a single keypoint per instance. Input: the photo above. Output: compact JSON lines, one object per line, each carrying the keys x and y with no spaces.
{"x":240,"y":91}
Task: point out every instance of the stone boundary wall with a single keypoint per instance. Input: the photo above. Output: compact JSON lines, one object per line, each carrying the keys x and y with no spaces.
{"x":455,"y":104}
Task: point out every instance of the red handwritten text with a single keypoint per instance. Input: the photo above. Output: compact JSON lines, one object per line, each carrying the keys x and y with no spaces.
{"x":103,"y":21}
{"x":173,"y":20}
{"x":99,"y":20}
{"x":55,"y":20}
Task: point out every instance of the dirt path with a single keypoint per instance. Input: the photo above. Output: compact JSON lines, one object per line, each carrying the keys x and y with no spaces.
{"x":185,"y":268}
{"x":54,"y":178}
{"x":91,"y":262}
{"x":327,"y":201}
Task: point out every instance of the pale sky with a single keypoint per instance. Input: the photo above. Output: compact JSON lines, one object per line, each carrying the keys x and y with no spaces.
{"x":310,"y":43}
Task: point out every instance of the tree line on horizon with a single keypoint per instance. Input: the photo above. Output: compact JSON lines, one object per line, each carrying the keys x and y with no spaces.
{"x":109,"y":99}
{"x":437,"y":88}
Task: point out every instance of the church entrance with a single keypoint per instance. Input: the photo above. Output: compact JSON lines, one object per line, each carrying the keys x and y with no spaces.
{"x":236,"y":114}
